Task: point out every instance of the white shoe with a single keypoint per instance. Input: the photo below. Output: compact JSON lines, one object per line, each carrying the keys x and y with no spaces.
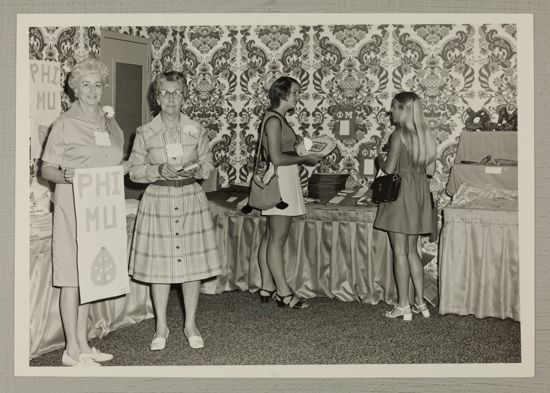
{"x":195,"y":342}
{"x":423,"y":308}
{"x":159,"y":343}
{"x":397,"y":312}
{"x":83,"y":361}
{"x":98,"y":356}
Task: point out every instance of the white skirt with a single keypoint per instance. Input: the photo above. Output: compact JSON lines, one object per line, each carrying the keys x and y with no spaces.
{"x":291,"y":193}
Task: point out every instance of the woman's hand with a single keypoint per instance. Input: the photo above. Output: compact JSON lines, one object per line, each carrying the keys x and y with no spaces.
{"x":190,"y":172}
{"x":126,"y":167}
{"x":381,"y":158}
{"x":168,"y":172}
{"x":68,"y":174}
{"x":312,"y":159}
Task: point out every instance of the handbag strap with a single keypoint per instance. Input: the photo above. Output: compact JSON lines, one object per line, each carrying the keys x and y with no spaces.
{"x":260,"y":147}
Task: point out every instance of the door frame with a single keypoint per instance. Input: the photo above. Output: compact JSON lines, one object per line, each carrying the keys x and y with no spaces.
{"x":110,"y":92}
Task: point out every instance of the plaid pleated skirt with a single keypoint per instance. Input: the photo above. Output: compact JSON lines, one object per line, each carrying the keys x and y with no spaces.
{"x":174,"y":238}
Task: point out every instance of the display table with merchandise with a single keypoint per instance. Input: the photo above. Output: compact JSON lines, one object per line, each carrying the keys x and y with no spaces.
{"x":485,"y":158}
{"x":479,"y":246}
{"x":333,"y":251}
{"x":505,"y":177}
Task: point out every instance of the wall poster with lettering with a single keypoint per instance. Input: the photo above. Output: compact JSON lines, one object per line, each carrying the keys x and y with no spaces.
{"x":45,"y":107}
{"x":101,"y":233}
{"x":344,"y":121}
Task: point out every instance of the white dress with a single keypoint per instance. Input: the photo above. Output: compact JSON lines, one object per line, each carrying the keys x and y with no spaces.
{"x":291,"y":192}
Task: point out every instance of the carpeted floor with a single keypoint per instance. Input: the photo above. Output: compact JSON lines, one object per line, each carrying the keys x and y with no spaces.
{"x":238,"y":330}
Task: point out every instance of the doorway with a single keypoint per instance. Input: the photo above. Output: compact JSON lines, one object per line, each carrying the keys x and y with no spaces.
{"x":129,"y":61}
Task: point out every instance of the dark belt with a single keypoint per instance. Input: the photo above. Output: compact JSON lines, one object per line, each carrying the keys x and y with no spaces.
{"x":175,"y":183}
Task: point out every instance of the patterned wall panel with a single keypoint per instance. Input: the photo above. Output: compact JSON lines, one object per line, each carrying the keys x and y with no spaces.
{"x":465,"y":74}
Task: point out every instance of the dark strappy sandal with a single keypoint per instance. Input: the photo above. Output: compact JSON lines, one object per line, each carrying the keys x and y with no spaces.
{"x":266,"y":296}
{"x":292,"y":302}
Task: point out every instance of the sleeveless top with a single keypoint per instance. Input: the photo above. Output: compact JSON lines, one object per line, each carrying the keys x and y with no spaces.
{"x":288,"y":137}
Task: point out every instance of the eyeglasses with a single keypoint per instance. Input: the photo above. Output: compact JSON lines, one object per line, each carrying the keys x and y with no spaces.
{"x":174,"y":93}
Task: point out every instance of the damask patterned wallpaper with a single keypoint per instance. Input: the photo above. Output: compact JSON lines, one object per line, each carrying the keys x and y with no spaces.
{"x":466,"y":75}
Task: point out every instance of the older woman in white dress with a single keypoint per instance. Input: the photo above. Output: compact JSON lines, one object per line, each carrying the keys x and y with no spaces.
{"x":82,"y":137}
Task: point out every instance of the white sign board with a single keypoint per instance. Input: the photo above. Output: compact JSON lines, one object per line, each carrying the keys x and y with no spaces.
{"x":45,"y":100}
{"x":44,"y":108}
{"x":101,"y":233}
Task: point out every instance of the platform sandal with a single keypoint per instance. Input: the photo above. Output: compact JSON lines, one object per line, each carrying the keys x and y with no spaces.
{"x":292,"y":302}
{"x":422,"y":308}
{"x":266,"y":296}
{"x":397,"y":312}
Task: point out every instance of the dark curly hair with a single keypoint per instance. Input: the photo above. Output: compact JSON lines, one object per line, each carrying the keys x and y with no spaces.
{"x":280,"y":90}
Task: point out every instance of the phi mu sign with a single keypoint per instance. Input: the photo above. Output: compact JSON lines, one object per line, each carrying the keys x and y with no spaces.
{"x":101,"y":233}
{"x":344,"y":121}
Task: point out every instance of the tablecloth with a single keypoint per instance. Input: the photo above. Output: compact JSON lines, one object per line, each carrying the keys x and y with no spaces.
{"x":474,"y":146}
{"x":479,"y":263}
{"x":479,"y":175}
{"x":333,"y":251}
{"x":46,"y":332}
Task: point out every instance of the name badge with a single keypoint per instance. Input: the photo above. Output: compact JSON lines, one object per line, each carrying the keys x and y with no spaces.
{"x":174,"y":150}
{"x":102,"y":138}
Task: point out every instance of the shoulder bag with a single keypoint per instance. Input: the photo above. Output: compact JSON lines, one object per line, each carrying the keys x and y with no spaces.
{"x":264,"y":195}
{"x":386,"y":188}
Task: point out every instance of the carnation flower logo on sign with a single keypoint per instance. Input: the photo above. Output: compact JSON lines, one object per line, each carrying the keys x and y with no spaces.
{"x":101,"y":233}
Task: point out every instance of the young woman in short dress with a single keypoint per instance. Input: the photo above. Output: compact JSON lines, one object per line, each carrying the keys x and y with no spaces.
{"x":412,"y":155}
{"x":279,"y":144}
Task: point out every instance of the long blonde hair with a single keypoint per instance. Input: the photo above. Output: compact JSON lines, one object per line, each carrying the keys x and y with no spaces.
{"x":416,"y":135}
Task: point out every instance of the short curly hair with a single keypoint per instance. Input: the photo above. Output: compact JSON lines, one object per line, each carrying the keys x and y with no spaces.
{"x":280,"y":89}
{"x":154,"y":90}
{"x":85,"y":67}
{"x":168,"y":76}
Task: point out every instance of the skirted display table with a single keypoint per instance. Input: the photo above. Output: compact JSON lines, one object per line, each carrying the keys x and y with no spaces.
{"x":332,"y":252}
{"x":473,"y":148}
{"x":479,"y":263}
{"x":46,"y":332}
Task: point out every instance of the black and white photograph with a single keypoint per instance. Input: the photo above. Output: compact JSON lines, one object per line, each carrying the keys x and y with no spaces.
{"x":275,"y":195}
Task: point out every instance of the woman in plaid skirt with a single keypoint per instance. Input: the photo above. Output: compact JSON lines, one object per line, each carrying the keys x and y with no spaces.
{"x":174,"y":239}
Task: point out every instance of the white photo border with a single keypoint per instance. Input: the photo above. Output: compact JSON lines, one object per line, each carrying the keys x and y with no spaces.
{"x":525,"y":99}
